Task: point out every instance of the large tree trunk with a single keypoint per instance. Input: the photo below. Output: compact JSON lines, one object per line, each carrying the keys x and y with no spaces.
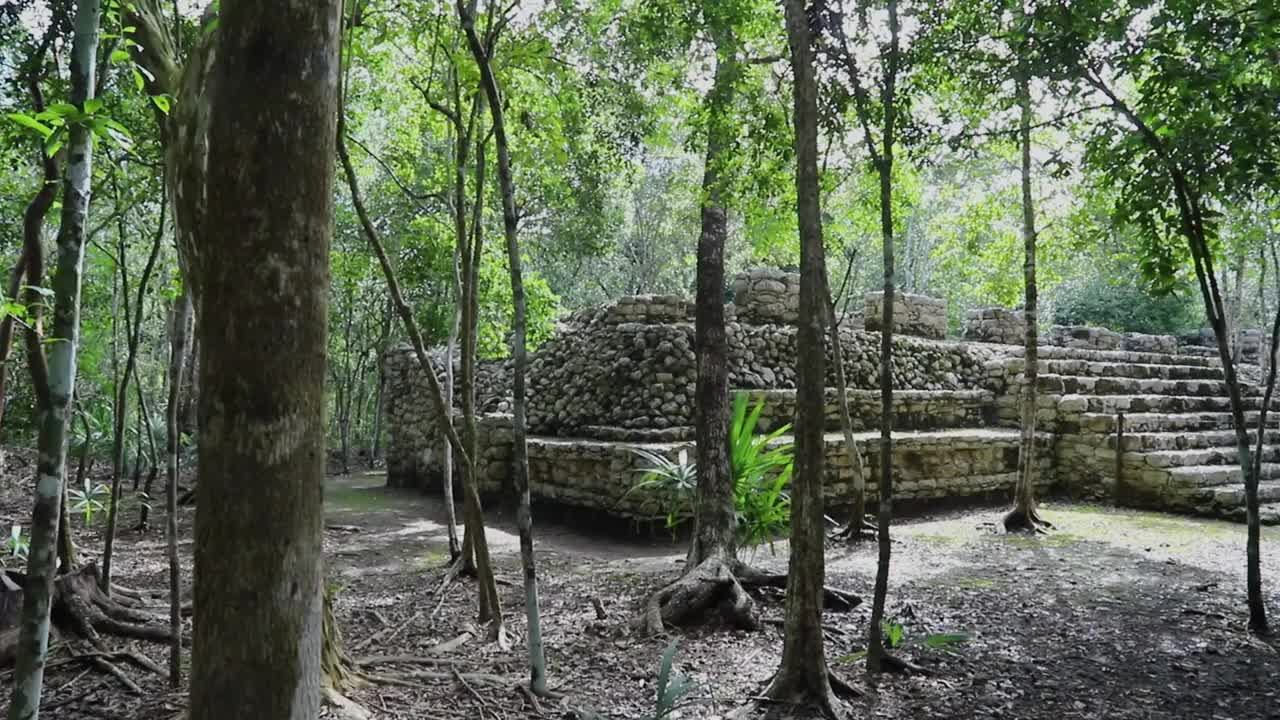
{"x":519,"y":357}
{"x":1024,"y":516}
{"x":803,"y":676}
{"x":884,"y":514}
{"x":264,"y":320}
{"x":712,"y":569}
{"x":54,"y":382}
{"x":134,"y":330}
{"x":715,"y":531}
{"x":179,"y":331}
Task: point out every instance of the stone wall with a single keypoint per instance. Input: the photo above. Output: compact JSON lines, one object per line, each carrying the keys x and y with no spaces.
{"x":767,"y":296}
{"x":414,"y":439}
{"x":599,"y":476}
{"x":1085,"y":336}
{"x":641,"y":376}
{"x":995,"y":325}
{"x":912,"y":314}
{"x":1140,"y":342}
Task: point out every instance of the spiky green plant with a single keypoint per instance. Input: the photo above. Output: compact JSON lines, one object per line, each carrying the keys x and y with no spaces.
{"x":761,"y":466}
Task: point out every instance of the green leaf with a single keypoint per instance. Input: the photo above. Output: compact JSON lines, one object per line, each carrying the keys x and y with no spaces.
{"x":92,"y":105}
{"x":30,"y":123}
{"x":139,"y":81}
{"x":162,"y":102}
{"x":119,"y":56}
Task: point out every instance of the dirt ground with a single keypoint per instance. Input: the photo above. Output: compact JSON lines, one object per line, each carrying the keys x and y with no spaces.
{"x":1115,"y":614}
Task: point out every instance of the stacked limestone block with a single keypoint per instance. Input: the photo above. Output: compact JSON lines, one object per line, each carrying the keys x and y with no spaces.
{"x":415,"y":442}
{"x":918,"y":315}
{"x":1141,"y":342}
{"x":767,"y":296}
{"x":995,"y":325}
{"x":1086,"y":337}
{"x":641,"y":376}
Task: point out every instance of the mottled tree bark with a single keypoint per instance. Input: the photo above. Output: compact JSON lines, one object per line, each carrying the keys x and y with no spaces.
{"x":802,"y":676}
{"x":519,"y":351}
{"x":263,"y":322}
{"x":54,"y":382}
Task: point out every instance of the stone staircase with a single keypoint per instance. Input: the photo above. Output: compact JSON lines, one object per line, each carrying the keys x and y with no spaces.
{"x":1175,"y":449}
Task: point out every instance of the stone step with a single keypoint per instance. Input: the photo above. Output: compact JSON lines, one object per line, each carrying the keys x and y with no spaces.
{"x":1085,"y":385}
{"x":1232,"y":496}
{"x":1268,"y":513}
{"x":1169,"y":422}
{"x":1139,"y":371}
{"x":1053,"y":352}
{"x":1154,"y":441}
{"x":1166,"y":404}
{"x":1210,"y":456}
{"x":1218,"y":476}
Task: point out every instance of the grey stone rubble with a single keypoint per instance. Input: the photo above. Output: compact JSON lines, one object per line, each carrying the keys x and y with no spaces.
{"x":620,"y":377}
{"x":912,"y":314}
{"x":995,"y":325}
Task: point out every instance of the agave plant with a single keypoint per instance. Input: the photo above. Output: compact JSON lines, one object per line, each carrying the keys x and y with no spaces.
{"x":89,"y":499}
{"x":675,"y":482}
{"x":15,"y":547}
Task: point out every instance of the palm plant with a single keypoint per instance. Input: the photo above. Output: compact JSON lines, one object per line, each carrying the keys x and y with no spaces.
{"x":761,"y":466}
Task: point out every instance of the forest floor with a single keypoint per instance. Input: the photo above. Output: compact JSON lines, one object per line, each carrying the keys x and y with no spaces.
{"x":1115,"y":614}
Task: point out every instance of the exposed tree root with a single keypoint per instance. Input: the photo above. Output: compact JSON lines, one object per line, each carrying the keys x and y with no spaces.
{"x":1016,"y":520}
{"x":832,"y":598}
{"x":80,"y":609}
{"x":856,"y":531}
{"x":893,"y":664}
{"x":721,"y":585}
{"x":828,"y":704}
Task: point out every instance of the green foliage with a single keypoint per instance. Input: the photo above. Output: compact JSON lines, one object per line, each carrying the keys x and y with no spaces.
{"x":89,"y":499}
{"x":1127,"y":305}
{"x":15,"y":547}
{"x":761,"y":466}
{"x":673,"y":691}
{"x":895,"y":637}
{"x":673,"y":482}
{"x":673,"y":687}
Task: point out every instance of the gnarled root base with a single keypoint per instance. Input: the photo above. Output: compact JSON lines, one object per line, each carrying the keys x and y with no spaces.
{"x":1029,"y":521}
{"x":801,"y":692}
{"x":721,"y":584}
{"x":712,"y":584}
{"x":79,"y":609}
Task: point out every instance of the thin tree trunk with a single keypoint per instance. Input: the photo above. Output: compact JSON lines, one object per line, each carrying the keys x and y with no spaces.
{"x":884,"y":514}
{"x":858,"y":516}
{"x":180,"y":330}
{"x":54,"y":382}
{"x":1024,"y":515}
{"x":446,"y":482}
{"x":134,"y":331}
{"x":264,"y":321}
{"x":471,"y":309}
{"x":6,"y":327}
{"x":490,"y":609}
{"x":153,"y":460}
{"x":520,"y":454}
{"x":802,"y":675}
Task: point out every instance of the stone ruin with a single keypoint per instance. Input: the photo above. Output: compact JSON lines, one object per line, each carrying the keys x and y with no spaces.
{"x":620,"y":377}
